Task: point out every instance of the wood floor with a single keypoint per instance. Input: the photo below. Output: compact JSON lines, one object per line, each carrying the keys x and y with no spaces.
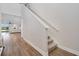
{"x":16,"y":46}
{"x":60,"y":52}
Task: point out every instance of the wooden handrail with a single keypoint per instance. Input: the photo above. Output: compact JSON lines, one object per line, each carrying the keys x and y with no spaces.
{"x":43,"y":20}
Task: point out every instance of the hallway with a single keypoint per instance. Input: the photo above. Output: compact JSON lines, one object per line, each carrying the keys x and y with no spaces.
{"x":16,"y":46}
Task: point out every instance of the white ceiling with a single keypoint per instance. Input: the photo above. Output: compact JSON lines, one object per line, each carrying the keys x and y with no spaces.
{"x":11,"y":8}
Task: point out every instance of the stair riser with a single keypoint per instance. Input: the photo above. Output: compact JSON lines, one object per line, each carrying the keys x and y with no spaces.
{"x":50,"y":42}
{"x":51,"y":49}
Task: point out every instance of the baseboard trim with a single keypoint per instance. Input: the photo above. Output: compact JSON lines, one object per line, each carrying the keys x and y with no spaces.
{"x":69,"y":50}
{"x":36,"y":48}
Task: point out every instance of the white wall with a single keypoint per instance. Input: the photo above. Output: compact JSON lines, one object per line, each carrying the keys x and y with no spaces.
{"x":65,"y":17}
{"x":13,"y":19}
{"x":0,"y":22}
{"x":34,"y":32}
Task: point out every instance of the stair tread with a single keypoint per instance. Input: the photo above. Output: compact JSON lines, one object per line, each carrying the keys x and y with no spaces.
{"x":52,"y":45}
{"x":50,"y":41}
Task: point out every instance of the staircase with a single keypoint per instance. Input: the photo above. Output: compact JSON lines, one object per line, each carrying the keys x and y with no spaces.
{"x":49,"y":29}
{"x":51,"y":45}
